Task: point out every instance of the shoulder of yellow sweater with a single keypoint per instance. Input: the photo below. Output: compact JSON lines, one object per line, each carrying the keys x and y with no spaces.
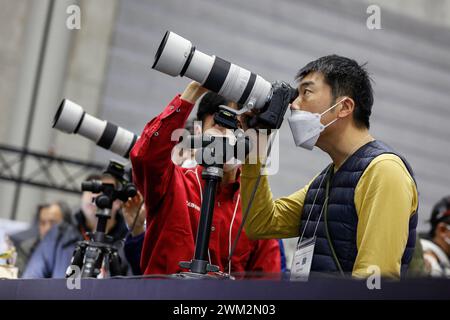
{"x":392,"y":167}
{"x":390,"y":163}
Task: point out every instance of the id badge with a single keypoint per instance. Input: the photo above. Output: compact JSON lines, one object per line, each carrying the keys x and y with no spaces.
{"x":301,"y":263}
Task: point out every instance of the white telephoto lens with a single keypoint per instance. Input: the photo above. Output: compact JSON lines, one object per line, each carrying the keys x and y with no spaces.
{"x":123,"y":141}
{"x":92,"y":128}
{"x":172,"y":54}
{"x":260,"y":93}
{"x":235,"y":83}
{"x":68,"y":116}
{"x":176,"y":56}
{"x":199,"y":67}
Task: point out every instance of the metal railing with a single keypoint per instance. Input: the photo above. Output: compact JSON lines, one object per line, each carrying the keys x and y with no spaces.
{"x":47,"y":171}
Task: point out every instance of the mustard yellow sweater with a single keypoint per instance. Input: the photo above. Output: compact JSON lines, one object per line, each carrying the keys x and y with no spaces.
{"x":385,"y":198}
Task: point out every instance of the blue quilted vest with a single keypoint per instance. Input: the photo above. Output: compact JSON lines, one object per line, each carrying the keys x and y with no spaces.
{"x":342,"y":218}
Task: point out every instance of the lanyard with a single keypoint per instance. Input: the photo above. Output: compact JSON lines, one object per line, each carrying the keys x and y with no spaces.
{"x":325,"y":208}
{"x":304,"y":255}
{"x":327,"y":191}
{"x":326,"y":175}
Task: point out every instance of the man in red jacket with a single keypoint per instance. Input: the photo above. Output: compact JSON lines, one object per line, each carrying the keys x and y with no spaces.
{"x":173,"y":197}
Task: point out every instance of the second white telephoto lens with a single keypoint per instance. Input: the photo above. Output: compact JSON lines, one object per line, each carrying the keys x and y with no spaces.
{"x":71,"y":118}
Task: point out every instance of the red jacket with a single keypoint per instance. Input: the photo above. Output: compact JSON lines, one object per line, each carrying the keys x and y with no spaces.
{"x":173,"y":199}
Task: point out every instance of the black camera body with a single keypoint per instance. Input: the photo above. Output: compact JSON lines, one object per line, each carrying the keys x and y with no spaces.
{"x":273,"y":112}
{"x":109,"y":192}
{"x":271,"y":115}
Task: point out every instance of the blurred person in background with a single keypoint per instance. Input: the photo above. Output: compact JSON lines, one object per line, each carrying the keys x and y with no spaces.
{"x":436,"y":250}
{"x":47,"y":216}
{"x":54,"y":253}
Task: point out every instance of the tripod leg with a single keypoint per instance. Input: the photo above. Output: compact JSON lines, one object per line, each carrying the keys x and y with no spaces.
{"x":92,"y":262}
{"x":114,"y":261}
{"x":77,"y":258}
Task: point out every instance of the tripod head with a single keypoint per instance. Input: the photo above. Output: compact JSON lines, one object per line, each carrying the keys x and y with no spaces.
{"x":216,"y":151}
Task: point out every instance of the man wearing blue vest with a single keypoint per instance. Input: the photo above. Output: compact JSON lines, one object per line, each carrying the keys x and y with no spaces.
{"x":358,"y":215}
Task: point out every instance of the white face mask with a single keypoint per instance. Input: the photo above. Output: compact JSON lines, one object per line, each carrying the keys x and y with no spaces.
{"x":306,"y":126}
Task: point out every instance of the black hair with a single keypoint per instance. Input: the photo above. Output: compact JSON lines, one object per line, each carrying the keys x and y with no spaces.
{"x":38,"y":211}
{"x":209,"y":104}
{"x":63,"y":206}
{"x":94,"y":176}
{"x":440,"y":213}
{"x":346,"y":78}
{"x":66,"y":211}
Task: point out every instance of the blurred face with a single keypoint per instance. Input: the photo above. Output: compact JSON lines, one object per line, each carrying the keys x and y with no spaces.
{"x":443,"y":233}
{"x":48,"y":217}
{"x":88,"y":205}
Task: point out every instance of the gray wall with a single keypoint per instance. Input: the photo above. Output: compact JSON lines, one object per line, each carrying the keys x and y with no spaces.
{"x":73,"y":66}
{"x":408,"y":59}
{"x":12,"y":33}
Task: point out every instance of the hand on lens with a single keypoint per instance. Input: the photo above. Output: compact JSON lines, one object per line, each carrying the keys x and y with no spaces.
{"x":193,"y":91}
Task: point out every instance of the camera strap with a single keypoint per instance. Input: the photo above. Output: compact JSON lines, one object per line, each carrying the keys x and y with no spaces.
{"x":253,"y":194}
